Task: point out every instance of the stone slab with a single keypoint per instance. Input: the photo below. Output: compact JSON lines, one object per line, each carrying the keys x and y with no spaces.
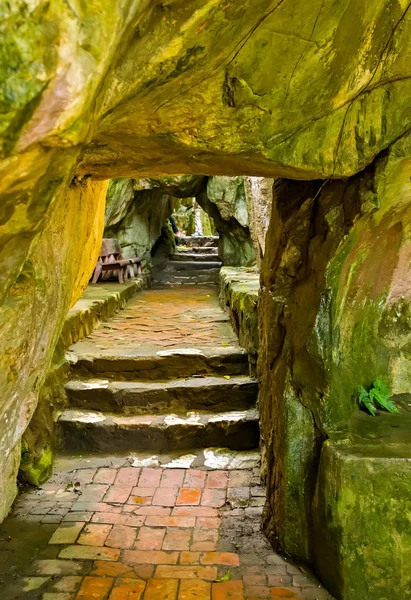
{"x":136,"y":397}
{"x":239,"y":289}
{"x":96,"y":431}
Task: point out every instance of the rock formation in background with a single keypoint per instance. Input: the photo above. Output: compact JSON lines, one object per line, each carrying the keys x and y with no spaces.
{"x":259,"y":198}
{"x":224,"y":200}
{"x":136,"y":217}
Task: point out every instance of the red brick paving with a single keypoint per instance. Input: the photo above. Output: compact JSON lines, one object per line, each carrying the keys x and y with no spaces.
{"x":105,"y":546}
{"x":158,"y":318}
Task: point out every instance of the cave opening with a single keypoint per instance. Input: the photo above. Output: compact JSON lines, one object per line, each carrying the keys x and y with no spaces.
{"x":148,"y":371}
{"x":302,"y":108}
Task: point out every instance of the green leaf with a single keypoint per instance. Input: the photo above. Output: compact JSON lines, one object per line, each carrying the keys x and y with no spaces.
{"x":366,"y":401}
{"x":380,"y":393}
{"x":225,"y":577}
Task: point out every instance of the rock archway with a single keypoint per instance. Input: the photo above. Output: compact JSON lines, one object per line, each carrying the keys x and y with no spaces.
{"x":315,"y":92}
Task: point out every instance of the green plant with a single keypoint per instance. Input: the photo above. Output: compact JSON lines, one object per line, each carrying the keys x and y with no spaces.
{"x":379,"y":394}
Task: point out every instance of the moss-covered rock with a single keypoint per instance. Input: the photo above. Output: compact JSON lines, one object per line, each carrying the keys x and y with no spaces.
{"x":332,"y":316}
{"x":224,"y":200}
{"x":57,"y":270}
{"x":180,"y":186}
{"x":37,"y":469}
{"x":259,"y":199}
{"x":362,"y":534}
{"x":136,"y":217}
{"x":293,"y":89}
{"x":239,"y":288}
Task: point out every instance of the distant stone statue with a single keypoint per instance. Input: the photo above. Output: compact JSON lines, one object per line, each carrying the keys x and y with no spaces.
{"x":198,"y":227}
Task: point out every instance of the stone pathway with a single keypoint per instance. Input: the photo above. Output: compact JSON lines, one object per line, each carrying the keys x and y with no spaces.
{"x":173,"y":510}
{"x":102,"y":529}
{"x":161,"y":318}
{"x":165,"y":374}
{"x":195,"y":261}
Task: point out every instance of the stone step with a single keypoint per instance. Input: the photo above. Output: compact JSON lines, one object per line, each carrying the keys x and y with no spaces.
{"x":212,"y":394}
{"x":163,"y":365}
{"x":96,"y":431}
{"x":209,"y":250}
{"x":207,"y":459}
{"x":192,"y":265}
{"x":197,"y":257}
{"x":201,"y":277}
{"x":199,"y":241}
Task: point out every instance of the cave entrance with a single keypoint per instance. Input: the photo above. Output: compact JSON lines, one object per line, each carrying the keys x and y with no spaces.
{"x":158,"y":469}
{"x":172,"y":358}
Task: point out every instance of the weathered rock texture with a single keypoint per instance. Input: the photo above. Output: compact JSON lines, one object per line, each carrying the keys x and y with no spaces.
{"x":239,"y":288}
{"x":58,"y":266}
{"x":287,"y":87}
{"x":334,"y":314}
{"x":259,"y":198}
{"x":224,"y":200}
{"x":270,"y":88}
{"x":136,"y":218}
{"x":361,"y":508}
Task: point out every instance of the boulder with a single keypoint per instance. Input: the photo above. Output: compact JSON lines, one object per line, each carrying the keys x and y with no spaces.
{"x":136,"y":217}
{"x":333,"y":316}
{"x":362,"y":534}
{"x":224,"y":200}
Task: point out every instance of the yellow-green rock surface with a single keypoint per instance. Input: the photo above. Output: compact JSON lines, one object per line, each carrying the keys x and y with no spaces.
{"x":334,"y":315}
{"x":276,"y":88}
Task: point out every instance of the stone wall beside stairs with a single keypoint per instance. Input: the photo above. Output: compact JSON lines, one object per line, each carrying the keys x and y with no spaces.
{"x":238,"y":291}
{"x":98,"y":303}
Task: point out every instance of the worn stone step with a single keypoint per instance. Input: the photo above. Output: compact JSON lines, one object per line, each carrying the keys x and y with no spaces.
{"x":137,"y":397}
{"x":163,"y":365}
{"x":192,"y":265}
{"x":96,"y":431}
{"x":199,"y":241}
{"x":207,"y":459}
{"x":208,"y":250}
{"x":203,"y":277}
{"x":196,"y":257}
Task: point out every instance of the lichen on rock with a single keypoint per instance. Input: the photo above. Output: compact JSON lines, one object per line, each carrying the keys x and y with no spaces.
{"x":317,"y":94}
{"x":224,"y":200}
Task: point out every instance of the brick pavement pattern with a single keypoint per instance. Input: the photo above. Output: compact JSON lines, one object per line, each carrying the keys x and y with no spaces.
{"x":157,"y":318}
{"x":146,"y":533}
{"x":102,"y":529}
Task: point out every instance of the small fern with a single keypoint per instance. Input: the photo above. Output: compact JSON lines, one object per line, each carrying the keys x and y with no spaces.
{"x":365,"y":401}
{"x":379,"y":394}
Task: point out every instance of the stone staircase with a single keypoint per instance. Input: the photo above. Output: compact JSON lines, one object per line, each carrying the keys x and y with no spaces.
{"x":129,"y":391}
{"x":195,"y":261}
{"x":114,"y":407}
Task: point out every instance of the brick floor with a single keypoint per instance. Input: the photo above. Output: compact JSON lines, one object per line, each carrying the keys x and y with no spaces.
{"x":104,"y":546}
{"x":158,"y":318}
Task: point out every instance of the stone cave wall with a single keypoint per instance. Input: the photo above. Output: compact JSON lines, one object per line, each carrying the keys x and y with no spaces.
{"x":54,"y":275}
{"x":134,"y":89}
{"x":259,"y":199}
{"x":224,"y":199}
{"x":136,"y":217}
{"x":334,"y":314}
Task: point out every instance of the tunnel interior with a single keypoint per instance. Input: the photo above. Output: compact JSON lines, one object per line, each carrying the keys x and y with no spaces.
{"x":289,"y":124}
